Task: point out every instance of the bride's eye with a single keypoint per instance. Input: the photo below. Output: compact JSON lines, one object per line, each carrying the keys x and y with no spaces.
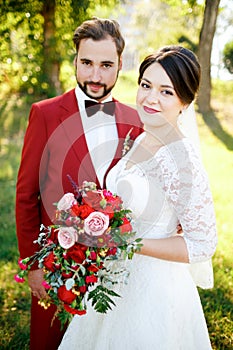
{"x":167,"y":92}
{"x":144,"y":85}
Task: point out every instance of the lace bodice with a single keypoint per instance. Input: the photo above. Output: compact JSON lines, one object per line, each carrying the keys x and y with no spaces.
{"x":170,"y":187}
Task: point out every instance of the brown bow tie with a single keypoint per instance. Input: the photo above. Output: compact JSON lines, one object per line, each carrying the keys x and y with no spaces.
{"x":93,"y":107}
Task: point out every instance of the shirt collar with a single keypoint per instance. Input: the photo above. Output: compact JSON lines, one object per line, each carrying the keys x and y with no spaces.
{"x":81,"y":97}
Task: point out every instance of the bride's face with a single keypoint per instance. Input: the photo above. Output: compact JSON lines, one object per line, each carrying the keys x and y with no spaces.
{"x":157,"y":101}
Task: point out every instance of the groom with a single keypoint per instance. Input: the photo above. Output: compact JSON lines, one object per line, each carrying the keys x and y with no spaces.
{"x":66,"y":137}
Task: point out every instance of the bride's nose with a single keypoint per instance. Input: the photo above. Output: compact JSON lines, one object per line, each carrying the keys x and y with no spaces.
{"x":153,"y":97}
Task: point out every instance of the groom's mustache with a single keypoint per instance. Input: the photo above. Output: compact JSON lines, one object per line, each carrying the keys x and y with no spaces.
{"x":93,"y":83}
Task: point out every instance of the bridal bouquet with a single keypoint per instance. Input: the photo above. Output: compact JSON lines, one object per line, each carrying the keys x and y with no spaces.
{"x":91,"y":232}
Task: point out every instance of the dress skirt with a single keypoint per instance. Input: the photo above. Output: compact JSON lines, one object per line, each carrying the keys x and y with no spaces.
{"x":159,"y":309}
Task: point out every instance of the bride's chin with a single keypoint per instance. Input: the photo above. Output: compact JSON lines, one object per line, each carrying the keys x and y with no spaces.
{"x":152,"y":122}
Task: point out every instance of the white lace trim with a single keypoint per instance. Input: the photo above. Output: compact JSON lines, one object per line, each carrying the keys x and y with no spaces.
{"x":187,"y":188}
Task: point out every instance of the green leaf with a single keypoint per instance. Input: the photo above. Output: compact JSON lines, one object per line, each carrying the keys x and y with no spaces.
{"x":64,"y":317}
{"x":101,"y":300}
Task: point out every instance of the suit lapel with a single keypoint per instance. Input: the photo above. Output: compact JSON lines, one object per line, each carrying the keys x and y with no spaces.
{"x":73,"y":128}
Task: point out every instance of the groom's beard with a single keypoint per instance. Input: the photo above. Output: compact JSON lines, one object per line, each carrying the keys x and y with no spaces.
{"x":106,"y":91}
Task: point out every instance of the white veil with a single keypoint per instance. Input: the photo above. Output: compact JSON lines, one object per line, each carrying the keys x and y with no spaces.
{"x":187,"y":124}
{"x":202,"y":272}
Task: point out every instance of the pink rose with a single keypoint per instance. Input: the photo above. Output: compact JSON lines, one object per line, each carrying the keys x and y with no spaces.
{"x":23,"y":263}
{"x":96,"y":223}
{"x":46,"y":285}
{"x":67,"y":236}
{"x":19,"y":279}
{"x":66,"y":201}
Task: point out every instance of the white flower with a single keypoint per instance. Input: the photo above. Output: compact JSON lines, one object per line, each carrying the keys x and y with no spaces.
{"x":67,"y":236}
{"x":96,"y":223}
{"x":66,"y":201}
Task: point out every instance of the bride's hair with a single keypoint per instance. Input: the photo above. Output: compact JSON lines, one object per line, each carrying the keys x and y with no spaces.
{"x":182,"y":67}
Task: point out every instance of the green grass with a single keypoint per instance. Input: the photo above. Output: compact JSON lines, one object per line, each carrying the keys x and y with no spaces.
{"x":218,"y":303}
{"x":217,"y":147}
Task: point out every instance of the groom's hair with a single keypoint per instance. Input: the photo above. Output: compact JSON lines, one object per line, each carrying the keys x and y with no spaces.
{"x":100,"y":29}
{"x":182,"y":67}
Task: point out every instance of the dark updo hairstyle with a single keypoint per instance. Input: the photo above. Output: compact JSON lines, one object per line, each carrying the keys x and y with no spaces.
{"x":99,"y":29}
{"x":182,"y":67}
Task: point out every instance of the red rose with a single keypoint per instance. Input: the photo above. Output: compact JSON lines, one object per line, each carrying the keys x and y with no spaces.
{"x":91,"y":279}
{"x":85,"y":211}
{"x":53,"y":235}
{"x":83,"y":289}
{"x":67,"y":296}
{"x":75,"y":210}
{"x":57,"y":266}
{"x":126,"y":226}
{"x":49,"y":262}
{"x":74,"y":311}
{"x":93,"y":255}
{"x":115,"y":202}
{"x":93,"y":199}
{"x":93,"y":268}
{"x":112,"y":251}
{"x":77,"y":253}
{"x":108,"y":210}
{"x":67,"y":274}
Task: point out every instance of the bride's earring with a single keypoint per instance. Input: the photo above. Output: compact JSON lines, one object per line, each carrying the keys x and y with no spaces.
{"x":180,"y":120}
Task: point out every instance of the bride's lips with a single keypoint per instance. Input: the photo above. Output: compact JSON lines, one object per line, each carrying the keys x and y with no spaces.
{"x":150,"y":110}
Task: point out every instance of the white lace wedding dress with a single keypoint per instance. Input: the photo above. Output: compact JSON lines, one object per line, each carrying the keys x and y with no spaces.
{"x":160,"y":307}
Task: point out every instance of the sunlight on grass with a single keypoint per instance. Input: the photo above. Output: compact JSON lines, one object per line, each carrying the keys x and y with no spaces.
{"x":14,"y":317}
{"x":218,"y":162}
{"x":218,"y":302}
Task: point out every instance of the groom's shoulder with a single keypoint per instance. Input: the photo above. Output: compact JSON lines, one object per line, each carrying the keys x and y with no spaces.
{"x":67,"y":98}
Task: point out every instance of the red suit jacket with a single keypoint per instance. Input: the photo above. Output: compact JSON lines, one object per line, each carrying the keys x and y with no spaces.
{"x":54,"y":147}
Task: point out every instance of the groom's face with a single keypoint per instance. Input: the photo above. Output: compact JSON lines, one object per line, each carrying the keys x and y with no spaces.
{"x":97,"y":67}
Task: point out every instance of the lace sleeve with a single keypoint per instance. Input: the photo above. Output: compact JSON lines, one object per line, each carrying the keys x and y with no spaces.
{"x":187,"y":189}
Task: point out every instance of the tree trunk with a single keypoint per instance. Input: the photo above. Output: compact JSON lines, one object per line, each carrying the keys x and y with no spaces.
{"x":51,"y":67}
{"x":204,"y":53}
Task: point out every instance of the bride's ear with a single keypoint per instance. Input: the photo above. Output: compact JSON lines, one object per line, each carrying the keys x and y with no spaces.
{"x":184,"y":108}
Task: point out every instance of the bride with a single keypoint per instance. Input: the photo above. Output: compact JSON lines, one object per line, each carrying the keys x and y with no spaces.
{"x":162,"y":180}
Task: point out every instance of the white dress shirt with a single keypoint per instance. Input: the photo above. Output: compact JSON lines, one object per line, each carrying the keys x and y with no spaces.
{"x":101,"y":135}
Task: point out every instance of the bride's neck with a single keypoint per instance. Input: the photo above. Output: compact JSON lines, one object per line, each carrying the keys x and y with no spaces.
{"x":162,"y":135}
